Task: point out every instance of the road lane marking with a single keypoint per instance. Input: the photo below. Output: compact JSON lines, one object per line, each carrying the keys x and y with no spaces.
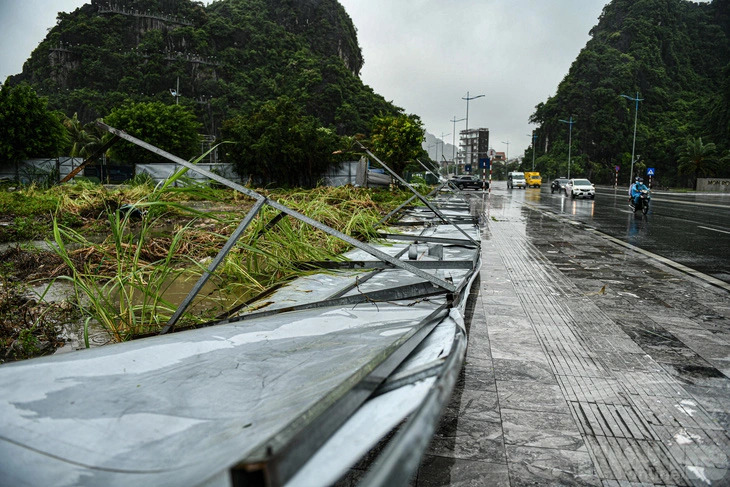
{"x":714,"y":229}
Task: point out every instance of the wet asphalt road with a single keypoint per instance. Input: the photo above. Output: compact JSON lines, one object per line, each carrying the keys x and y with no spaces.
{"x":690,"y":228}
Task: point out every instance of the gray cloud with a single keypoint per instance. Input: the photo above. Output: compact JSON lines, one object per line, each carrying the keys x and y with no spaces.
{"x":425,"y":55}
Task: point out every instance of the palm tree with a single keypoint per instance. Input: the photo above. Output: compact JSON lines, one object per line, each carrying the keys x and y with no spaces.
{"x":697,"y":159}
{"x":83,"y":140}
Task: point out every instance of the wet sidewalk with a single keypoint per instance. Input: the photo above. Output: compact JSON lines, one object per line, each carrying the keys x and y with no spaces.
{"x":588,"y":364}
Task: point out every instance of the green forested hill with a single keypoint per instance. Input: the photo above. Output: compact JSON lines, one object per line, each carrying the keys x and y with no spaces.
{"x":229,"y":57}
{"x":676,"y":55}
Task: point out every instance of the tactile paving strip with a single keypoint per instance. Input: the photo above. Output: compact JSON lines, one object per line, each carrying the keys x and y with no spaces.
{"x":638,"y":423}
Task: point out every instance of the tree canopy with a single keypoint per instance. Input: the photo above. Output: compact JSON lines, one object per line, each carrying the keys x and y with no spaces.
{"x":172,"y":128}
{"x":397,"y":140}
{"x":279,"y":144}
{"x":27,"y":127}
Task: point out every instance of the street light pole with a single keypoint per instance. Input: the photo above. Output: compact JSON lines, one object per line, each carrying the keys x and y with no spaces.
{"x":506,"y":157}
{"x":453,"y":139}
{"x":570,"y":139}
{"x":467,"y":98}
{"x":633,"y":146}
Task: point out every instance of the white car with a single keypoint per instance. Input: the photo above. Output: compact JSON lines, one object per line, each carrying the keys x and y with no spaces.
{"x":580,"y":187}
{"x":516,"y":179}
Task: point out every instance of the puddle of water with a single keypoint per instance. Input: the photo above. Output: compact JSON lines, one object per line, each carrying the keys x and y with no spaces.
{"x":209,"y":301}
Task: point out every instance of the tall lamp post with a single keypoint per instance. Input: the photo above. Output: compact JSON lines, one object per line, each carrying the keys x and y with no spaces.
{"x":633,"y":146}
{"x":570,"y":139}
{"x":467,"y":98}
{"x":442,"y":143}
{"x":506,"y":156}
{"x":453,"y":138}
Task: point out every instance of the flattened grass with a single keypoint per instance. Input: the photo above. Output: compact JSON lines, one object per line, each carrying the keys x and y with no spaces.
{"x":155,"y":236}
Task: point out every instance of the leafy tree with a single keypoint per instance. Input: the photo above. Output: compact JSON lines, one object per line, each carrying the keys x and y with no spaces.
{"x":397,"y":140}
{"x":27,"y":127}
{"x":279,"y":144}
{"x":697,"y":159}
{"x":172,"y":128}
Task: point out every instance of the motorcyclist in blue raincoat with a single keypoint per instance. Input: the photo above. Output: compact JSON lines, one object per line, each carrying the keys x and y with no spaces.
{"x":636,"y":189}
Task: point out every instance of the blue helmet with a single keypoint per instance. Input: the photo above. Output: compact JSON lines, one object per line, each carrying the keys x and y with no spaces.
{"x":641,"y":180}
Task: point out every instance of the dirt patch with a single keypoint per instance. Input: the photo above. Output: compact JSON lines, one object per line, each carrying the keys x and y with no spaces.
{"x":28,"y":328}
{"x":25,"y":264}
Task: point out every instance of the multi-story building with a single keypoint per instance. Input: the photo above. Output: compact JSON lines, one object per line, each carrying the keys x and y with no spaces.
{"x":473,"y":145}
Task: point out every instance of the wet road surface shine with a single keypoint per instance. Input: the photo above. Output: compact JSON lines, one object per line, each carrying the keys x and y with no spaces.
{"x":692,"y":229}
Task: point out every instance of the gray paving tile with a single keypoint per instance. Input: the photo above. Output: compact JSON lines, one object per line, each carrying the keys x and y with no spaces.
{"x":438,"y":471}
{"x":468,"y":439}
{"x":524,"y":370}
{"x":508,"y":322}
{"x":547,"y":466}
{"x":476,"y":378}
{"x":532,"y":396}
{"x":518,"y":351}
{"x":476,"y":405}
{"x":637,"y":364}
{"x":540,"y":429}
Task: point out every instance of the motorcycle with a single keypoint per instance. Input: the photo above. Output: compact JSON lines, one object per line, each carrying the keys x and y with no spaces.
{"x":642,"y":204}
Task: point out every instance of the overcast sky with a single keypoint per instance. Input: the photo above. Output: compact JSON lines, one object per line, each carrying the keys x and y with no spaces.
{"x":423,"y":55}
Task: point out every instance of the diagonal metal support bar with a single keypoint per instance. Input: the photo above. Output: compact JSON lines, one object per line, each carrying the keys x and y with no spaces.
{"x":411,"y":291}
{"x":387,"y":217}
{"x":418,"y":195}
{"x":271,"y":224}
{"x":447,"y":182}
{"x":91,"y":158}
{"x":376,"y":264}
{"x":253,"y":194}
{"x":213,"y":265}
{"x":362,"y":279}
{"x":421,"y":238}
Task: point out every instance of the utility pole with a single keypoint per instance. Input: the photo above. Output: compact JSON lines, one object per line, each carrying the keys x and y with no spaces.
{"x":506,"y":156}
{"x":467,"y":98}
{"x":633,"y":146}
{"x":570,"y":139}
{"x":453,"y":139}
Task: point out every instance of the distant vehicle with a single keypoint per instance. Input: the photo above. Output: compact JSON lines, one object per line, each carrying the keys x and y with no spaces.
{"x":580,"y":187}
{"x":469,"y":181}
{"x":533,"y":179}
{"x":559,"y":185}
{"x":516,"y":179}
